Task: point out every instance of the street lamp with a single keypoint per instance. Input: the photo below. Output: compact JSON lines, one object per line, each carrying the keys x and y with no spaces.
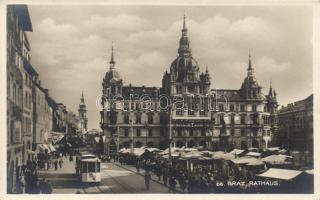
{"x":131,"y":123}
{"x":170,"y":134}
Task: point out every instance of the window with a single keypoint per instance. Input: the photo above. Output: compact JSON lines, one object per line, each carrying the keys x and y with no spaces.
{"x":232,"y":119}
{"x":126,"y":132}
{"x":84,"y":167}
{"x":221,"y":107}
{"x":203,"y":132}
{"x":138,"y":119}
{"x":150,"y":133}
{"x":254,"y":108}
{"x":232,"y":132}
{"x":91,"y":167}
{"x":162,"y":132}
{"x":221,"y":118}
{"x":179,"y":89}
{"x":191,"y":88}
{"x":231,"y":107}
{"x":150,"y":119}
{"x":179,"y":112}
{"x":191,"y":133}
{"x":243,"y":119}
{"x":242,"y":108}
{"x":138,"y":132}
{"x":243,"y":132}
{"x":179,"y":132}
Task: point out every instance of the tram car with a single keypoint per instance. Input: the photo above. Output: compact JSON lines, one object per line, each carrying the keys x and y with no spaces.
{"x":88,"y":168}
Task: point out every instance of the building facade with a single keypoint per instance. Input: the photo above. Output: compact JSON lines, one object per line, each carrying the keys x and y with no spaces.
{"x":18,"y":22}
{"x":29,"y":73}
{"x":296,"y":127}
{"x":185,"y":111}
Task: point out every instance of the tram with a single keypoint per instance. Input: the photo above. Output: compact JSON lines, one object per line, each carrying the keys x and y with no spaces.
{"x":88,"y":168}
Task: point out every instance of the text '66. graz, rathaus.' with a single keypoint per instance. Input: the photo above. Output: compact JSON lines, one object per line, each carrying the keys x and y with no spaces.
{"x":204,"y":117}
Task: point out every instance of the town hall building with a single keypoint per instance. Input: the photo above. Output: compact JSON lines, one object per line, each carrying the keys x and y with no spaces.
{"x":185,"y":111}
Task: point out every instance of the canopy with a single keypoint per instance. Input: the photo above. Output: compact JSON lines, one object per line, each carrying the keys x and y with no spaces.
{"x":173,"y":155}
{"x":244,"y":160}
{"x":255,"y":163}
{"x":277,"y":159}
{"x":166,"y":151}
{"x":30,"y":152}
{"x":273,"y":149}
{"x":154,"y":150}
{"x":309,"y":171}
{"x":192,"y":155}
{"x":223,"y":156}
{"x":253,"y":154}
{"x":57,"y":138}
{"x":51,"y":147}
{"x":237,"y":151}
{"x":43,"y":147}
{"x":138,"y":151}
{"x":282,"y":174}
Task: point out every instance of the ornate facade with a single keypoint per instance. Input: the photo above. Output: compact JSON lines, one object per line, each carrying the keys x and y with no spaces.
{"x":185,"y":111}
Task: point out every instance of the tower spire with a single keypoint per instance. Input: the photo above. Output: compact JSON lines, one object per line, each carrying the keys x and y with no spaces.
{"x":184,"y":48}
{"x":250,"y":69}
{"x":184,"y":28}
{"x":82,"y":97}
{"x":270,"y":89}
{"x":112,"y":62}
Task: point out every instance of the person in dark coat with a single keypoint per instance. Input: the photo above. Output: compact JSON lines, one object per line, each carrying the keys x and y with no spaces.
{"x":172,"y":184}
{"x":56,"y":164}
{"x":147,"y":178}
{"x":165,"y":177}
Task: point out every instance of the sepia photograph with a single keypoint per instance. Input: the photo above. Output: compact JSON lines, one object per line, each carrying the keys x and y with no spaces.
{"x":160,"y":99}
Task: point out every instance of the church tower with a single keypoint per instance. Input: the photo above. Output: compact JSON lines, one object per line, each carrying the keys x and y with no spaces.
{"x":83,"y":114}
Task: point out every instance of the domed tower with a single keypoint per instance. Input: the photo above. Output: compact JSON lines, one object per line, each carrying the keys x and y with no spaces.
{"x":250,"y":88}
{"x":83,"y":114}
{"x":112,"y":83}
{"x":184,"y":76}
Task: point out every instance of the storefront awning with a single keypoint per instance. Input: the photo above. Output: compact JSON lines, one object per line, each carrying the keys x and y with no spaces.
{"x":282,"y":174}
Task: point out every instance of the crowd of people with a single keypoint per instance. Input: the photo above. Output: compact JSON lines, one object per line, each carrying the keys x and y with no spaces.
{"x":28,"y":180}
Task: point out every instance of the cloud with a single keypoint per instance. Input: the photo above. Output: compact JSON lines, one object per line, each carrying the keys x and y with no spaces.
{"x":109,"y":24}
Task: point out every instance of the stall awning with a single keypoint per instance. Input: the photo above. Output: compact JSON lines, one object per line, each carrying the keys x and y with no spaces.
{"x":31,"y":152}
{"x":282,"y":174}
{"x":278,"y":159}
{"x":237,"y":151}
{"x":253,"y":154}
{"x":51,"y":147}
{"x":244,"y":160}
{"x":43,"y":147}
{"x":58,"y":138}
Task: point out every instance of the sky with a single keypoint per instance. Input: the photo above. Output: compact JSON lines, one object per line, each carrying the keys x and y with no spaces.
{"x":71,"y":47}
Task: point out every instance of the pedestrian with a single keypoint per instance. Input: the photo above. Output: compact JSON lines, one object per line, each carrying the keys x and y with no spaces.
{"x":56,"y":164}
{"x":158,"y":171}
{"x":42,"y":185}
{"x":182,"y":183}
{"x":70,"y":158}
{"x":60,"y":162}
{"x":165,"y":177}
{"x":20,"y":185}
{"x":138,"y":166}
{"x":147,"y":178}
{"x":47,"y":188}
{"x":172,"y":184}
